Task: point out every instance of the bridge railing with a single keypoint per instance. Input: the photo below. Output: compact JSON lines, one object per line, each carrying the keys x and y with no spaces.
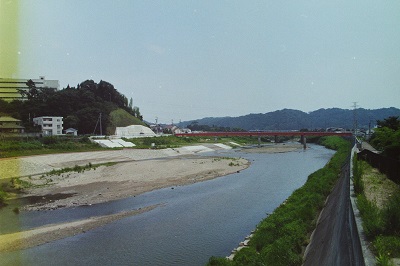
{"x":263,"y":133}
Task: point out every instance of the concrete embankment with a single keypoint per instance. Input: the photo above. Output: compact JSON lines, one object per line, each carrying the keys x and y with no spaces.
{"x":336,"y":239}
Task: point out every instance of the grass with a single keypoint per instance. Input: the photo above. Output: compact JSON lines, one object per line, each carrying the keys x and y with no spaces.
{"x":15,"y":147}
{"x":18,"y":184}
{"x":281,"y":237}
{"x":175,"y":142}
{"x":3,"y":196}
{"x":379,"y":205}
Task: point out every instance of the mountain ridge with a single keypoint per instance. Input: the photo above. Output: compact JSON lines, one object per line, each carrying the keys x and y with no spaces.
{"x":291,"y":119}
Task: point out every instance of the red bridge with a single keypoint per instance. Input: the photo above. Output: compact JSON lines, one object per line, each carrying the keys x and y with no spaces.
{"x":263,"y":133}
{"x":302,"y":135}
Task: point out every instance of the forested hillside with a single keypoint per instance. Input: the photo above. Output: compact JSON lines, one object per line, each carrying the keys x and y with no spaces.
{"x":80,"y":106}
{"x":288,"y":119}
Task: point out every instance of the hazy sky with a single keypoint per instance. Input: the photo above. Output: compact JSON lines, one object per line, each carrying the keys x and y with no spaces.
{"x":192,"y":59}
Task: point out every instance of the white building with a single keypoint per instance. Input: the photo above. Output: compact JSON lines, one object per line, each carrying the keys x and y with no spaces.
{"x":51,"y":125}
{"x":9,"y":87}
{"x":134,"y":131}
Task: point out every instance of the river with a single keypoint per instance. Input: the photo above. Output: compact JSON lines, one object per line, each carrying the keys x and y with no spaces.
{"x":192,"y":224}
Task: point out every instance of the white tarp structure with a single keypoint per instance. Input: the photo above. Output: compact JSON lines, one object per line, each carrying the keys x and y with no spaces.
{"x":105,"y":143}
{"x":123,"y":142}
{"x":134,"y":131}
{"x":113,"y":143}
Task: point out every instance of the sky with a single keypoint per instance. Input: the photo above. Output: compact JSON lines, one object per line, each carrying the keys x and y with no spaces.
{"x":185,"y":60}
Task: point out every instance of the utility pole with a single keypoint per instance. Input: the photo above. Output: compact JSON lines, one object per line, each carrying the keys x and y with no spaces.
{"x":355,"y":122}
{"x":98,"y":122}
{"x":101,"y":130}
{"x":156,"y":125}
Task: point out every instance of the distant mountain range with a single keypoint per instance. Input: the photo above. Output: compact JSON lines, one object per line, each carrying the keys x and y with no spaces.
{"x":289,"y":119}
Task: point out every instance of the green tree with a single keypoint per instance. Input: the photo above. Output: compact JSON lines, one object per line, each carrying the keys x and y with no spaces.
{"x":391,"y":122}
{"x":130,"y":106}
{"x":386,"y":137}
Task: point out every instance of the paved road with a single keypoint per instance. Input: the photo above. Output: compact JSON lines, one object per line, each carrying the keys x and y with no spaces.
{"x":366,"y":146}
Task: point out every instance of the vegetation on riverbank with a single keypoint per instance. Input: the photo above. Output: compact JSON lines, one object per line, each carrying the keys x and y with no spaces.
{"x":175,"y":142}
{"x":378,"y":200}
{"x":280,"y":239}
{"x":18,"y":146}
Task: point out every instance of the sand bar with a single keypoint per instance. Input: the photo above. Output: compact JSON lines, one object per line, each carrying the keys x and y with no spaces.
{"x":134,"y":172}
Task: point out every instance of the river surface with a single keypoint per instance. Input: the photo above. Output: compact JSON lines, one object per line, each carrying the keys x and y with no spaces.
{"x":193,"y":223}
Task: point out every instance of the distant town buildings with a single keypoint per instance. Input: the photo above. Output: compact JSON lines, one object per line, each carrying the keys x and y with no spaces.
{"x":9,"y":87}
{"x":51,"y":125}
{"x":10,"y":125}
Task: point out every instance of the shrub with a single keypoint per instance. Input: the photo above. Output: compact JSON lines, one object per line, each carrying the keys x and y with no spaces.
{"x":372,"y":217}
{"x":387,"y":245}
{"x":357,"y":176}
{"x":49,"y":140}
{"x":247,"y":256}
{"x":281,"y":253}
{"x":383,"y":260}
{"x":2,"y":197}
{"x":214,"y":261}
{"x":391,"y":215}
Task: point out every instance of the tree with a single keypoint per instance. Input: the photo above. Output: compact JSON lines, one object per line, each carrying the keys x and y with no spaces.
{"x":32,"y":91}
{"x":130,"y":106}
{"x":387,"y":137}
{"x":136,"y":112}
{"x":391,"y":122}
{"x":71,"y":121}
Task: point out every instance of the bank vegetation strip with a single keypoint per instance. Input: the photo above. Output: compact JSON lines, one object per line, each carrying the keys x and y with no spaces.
{"x":378,"y":200}
{"x":281,"y":238}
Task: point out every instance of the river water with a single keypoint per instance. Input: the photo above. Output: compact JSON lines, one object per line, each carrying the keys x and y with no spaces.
{"x":192,"y":224}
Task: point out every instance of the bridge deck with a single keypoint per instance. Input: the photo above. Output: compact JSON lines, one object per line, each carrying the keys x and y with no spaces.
{"x":263,"y":133}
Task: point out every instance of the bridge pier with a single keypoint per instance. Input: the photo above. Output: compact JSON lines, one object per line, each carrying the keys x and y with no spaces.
{"x":259,"y":141}
{"x":276,"y":138}
{"x":303,"y":140}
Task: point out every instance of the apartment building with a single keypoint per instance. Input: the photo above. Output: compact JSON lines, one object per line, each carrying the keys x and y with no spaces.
{"x":9,"y":87}
{"x":51,"y":125}
{"x":10,"y":125}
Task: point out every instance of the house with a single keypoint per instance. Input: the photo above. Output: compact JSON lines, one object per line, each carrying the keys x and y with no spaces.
{"x":10,"y":125}
{"x":51,"y":125}
{"x":177,"y":130}
{"x":71,"y":131}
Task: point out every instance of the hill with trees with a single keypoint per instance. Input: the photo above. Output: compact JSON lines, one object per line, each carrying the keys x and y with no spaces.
{"x":289,"y":119}
{"x":80,"y":106}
